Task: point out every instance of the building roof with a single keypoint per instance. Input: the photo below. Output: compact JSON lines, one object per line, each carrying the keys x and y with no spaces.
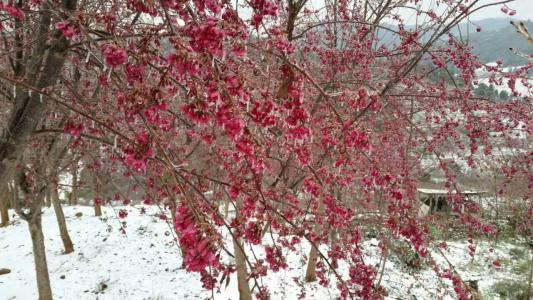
{"x":444,"y":191}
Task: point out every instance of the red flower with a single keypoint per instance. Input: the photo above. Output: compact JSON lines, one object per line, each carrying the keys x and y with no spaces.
{"x":68,"y":30}
{"x":275,"y":258}
{"x":13,"y":11}
{"x":234,"y":127}
{"x":199,"y":252}
{"x":73,"y":129}
{"x":114,"y":56}
{"x":253,"y":232}
{"x":196,"y":112}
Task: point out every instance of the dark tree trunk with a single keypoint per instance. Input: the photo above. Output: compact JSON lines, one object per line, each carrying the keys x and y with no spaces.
{"x":4,"y":205}
{"x":65,"y":237}
{"x":39,"y":254}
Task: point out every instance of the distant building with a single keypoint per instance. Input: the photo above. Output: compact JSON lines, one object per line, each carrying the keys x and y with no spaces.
{"x":437,"y":200}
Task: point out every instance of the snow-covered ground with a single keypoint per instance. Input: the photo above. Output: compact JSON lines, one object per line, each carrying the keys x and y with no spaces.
{"x":523,"y":85}
{"x":145,"y":263}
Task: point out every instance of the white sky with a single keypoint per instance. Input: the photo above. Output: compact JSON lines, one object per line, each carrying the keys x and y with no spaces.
{"x":524,"y":9}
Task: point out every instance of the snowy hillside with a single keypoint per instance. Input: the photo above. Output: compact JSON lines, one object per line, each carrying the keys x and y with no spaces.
{"x":145,"y":263}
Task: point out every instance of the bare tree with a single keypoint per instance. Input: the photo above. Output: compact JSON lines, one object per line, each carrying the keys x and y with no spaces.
{"x":36,"y":68}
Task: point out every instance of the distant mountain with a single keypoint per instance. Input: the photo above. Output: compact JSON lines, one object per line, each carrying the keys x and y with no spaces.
{"x":490,"y":24}
{"x":495,"y":39}
{"x":497,"y":35}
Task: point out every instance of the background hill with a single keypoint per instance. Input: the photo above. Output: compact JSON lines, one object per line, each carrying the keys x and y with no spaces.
{"x":493,"y":42}
{"x":495,"y":39}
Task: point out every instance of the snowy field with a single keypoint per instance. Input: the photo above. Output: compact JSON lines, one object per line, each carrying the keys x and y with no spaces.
{"x":145,"y":263}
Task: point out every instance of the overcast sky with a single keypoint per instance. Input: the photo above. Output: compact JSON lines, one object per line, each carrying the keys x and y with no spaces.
{"x":524,"y":9}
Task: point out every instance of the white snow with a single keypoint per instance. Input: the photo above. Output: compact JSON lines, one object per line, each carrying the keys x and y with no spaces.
{"x":145,"y":263}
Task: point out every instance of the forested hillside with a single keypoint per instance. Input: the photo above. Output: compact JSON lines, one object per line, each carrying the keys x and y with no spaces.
{"x":496,"y":38}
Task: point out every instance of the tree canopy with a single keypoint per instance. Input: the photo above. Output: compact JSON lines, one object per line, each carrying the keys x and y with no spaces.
{"x":293,"y":113}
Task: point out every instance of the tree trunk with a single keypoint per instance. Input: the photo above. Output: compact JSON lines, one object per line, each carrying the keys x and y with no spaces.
{"x":242,"y":274}
{"x":15,"y":197}
{"x":73,"y":196}
{"x":310,"y":273}
{"x":333,"y":238}
{"x":65,"y":237}
{"x":97,"y":209}
{"x":48,"y":199}
{"x":529,"y":291}
{"x":226,"y":208}
{"x":39,"y":254}
{"x":4,"y":205}
{"x":240,"y":263}
{"x":97,"y":197}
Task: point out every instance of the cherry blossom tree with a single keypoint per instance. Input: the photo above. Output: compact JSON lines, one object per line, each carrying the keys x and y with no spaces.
{"x":305,"y":117}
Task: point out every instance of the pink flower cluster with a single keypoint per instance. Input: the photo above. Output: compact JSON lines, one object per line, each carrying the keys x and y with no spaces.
{"x":12,"y":11}
{"x":196,"y":112}
{"x":207,"y":37}
{"x":198,"y":249}
{"x":137,"y":157}
{"x":253,"y":232}
{"x":275,"y":258}
{"x":416,"y":236}
{"x":114,"y":56}
{"x":183,"y":65}
{"x":356,"y":139}
{"x":154,"y":115}
{"x":363,"y":276}
{"x":68,"y":30}
{"x":212,"y":5}
{"x":134,"y":73}
{"x":262,"y":9}
{"x":73,"y":129}
{"x":460,"y":291}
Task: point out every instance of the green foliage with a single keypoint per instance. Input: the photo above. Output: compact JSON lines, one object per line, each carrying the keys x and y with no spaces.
{"x":510,"y":289}
{"x":405,"y":254}
{"x":490,"y":92}
{"x":519,"y":261}
{"x":435,"y":232}
{"x":504,"y":96}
